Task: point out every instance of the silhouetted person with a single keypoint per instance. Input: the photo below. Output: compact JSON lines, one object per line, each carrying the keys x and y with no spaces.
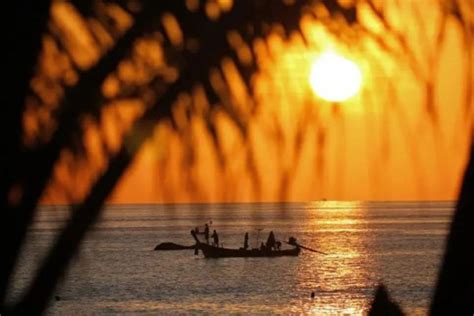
{"x":246,"y":241}
{"x":278,"y":245}
{"x":262,"y":246}
{"x":292,"y":241}
{"x":312,"y":295}
{"x":271,"y":241}
{"x":216,"y":238}
{"x":206,"y":233}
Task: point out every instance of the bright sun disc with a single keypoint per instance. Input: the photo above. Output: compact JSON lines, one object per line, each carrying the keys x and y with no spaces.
{"x":335,"y":78}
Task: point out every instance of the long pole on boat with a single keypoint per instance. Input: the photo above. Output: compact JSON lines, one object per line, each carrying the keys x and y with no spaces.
{"x":311,"y":249}
{"x":294,"y":243}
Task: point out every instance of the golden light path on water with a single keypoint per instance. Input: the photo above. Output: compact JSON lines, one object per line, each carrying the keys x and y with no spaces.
{"x":344,"y":268}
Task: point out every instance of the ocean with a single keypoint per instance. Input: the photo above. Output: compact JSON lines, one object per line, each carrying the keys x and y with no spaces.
{"x":118,"y":272}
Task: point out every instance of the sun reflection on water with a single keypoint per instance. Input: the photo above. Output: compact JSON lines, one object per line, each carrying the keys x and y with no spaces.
{"x":346,"y":268}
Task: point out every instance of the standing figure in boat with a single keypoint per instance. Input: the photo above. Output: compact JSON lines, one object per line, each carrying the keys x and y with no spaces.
{"x":206,"y":233}
{"x":271,"y":241}
{"x":246,"y":241}
{"x":216,"y":238}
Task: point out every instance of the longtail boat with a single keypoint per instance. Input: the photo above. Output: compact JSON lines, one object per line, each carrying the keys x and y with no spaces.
{"x":210,"y":251}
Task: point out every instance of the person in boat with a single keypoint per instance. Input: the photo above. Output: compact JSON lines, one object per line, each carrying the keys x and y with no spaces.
{"x":271,"y":241}
{"x":292,"y":241}
{"x":246,"y":241}
{"x":216,"y":238}
{"x":278,"y":245}
{"x":206,"y":233}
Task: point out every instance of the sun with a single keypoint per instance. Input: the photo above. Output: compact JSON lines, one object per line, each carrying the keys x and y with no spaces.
{"x":335,"y":78}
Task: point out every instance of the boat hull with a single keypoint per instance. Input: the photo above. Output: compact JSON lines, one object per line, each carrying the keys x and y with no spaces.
{"x":165,"y":246}
{"x":215,"y":252}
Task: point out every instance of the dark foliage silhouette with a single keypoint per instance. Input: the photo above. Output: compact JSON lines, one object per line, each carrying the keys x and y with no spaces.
{"x":383,"y":305}
{"x":26,"y":171}
{"x":455,"y":288}
{"x":76,"y":102}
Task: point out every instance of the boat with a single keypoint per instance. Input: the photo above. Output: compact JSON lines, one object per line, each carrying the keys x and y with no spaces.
{"x":211,"y":251}
{"x":172,"y":246}
{"x":218,"y":252}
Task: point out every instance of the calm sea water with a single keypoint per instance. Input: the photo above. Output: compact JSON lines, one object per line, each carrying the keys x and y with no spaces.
{"x":117,"y":271}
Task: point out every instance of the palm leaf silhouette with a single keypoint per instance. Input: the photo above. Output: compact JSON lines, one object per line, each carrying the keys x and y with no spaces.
{"x":248,"y":20}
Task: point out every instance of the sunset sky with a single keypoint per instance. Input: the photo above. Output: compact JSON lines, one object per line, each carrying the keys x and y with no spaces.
{"x":393,"y":140}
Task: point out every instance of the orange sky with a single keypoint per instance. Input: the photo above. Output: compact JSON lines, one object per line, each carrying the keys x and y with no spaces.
{"x":379,"y":145}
